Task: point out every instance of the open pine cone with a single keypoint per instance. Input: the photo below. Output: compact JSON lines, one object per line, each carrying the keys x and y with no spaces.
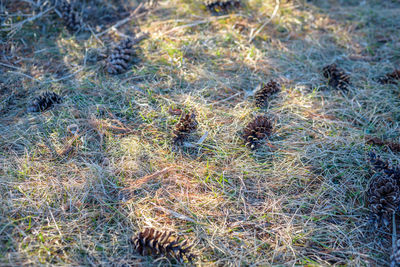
{"x":261,"y":96}
{"x":157,"y":243}
{"x":393,"y":77}
{"x":44,"y":101}
{"x":70,"y":17}
{"x":121,"y":55}
{"x":337,"y":78}
{"x":381,"y":165}
{"x":184,"y":127}
{"x":118,"y":60}
{"x":383,"y":198}
{"x":257,"y":130}
{"x":221,"y":6}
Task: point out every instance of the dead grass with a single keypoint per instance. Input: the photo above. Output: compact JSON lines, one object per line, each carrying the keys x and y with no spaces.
{"x":298,"y":200}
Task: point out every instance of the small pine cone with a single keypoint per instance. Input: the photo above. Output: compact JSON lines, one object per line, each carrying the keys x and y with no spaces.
{"x":257,"y":130}
{"x":157,"y":243}
{"x":221,"y":6}
{"x":337,"y":78}
{"x":390,"y":78}
{"x":383,"y":198}
{"x":184,"y":127}
{"x":395,"y":257}
{"x":118,"y":60}
{"x":262,"y":95}
{"x":44,"y":101}
{"x":70,"y":17}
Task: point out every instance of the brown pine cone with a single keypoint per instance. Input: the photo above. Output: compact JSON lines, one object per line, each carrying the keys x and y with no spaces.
{"x":380,"y":165}
{"x":218,"y":7}
{"x":383,"y":198}
{"x":261,"y":96}
{"x":157,"y":243}
{"x":70,"y":17}
{"x":337,"y":78}
{"x":390,"y":78}
{"x":44,"y":101}
{"x":120,"y":57}
{"x":184,"y":127}
{"x":260,"y":128}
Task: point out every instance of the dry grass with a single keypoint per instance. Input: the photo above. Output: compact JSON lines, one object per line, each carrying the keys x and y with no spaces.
{"x":298,"y":200}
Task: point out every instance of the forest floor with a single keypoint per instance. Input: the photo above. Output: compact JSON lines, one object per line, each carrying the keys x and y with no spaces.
{"x":78,"y":180}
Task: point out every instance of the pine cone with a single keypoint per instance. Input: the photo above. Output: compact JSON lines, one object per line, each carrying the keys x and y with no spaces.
{"x":221,"y":6}
{"x":262,"y":95}
{"x":383,"y":198}
{"x":257,"y":130}
{"x":70,"y":17}
{"x":395,"y":257}
{"x":381,"y":165}
{"x":390,"y":78}
{"x":119,"y":59}
{"x":157,"y":243}
{"x":337,"y":78}
{"x":184,"y":127}
{"x":44,"y":101}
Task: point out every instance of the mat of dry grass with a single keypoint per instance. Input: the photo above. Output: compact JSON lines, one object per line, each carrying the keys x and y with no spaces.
{"x":78,"y":180}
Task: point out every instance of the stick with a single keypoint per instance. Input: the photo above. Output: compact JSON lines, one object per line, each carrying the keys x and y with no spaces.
{"x":394,"y":240}
{"x":197,"y":22}
{"x":139,"y":182}
{"x":266,"y":22}
{"x":176,"y":214}
{"x":123,"y":21}
{"x":20,"y":24}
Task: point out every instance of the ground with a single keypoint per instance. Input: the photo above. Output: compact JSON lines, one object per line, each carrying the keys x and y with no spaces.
{"x":77,"y":181}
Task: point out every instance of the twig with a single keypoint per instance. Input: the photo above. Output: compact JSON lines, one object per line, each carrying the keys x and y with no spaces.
{"x":139,"y":182}
{"x":195,"y":23}
{"x":394,"y":239}
{"x":95,"y":123}
{"x":20,"y":24}
{"x":67,"y":149}
{"x":123,"y":21}
{"x":25,"y":75}
{"x":266,"y":22}
{"x":66,"y":76}
{"x":176,"y":214}
{"x":226,"y":99}
{"x":201,"y":140}
{"x":9,"y":66}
